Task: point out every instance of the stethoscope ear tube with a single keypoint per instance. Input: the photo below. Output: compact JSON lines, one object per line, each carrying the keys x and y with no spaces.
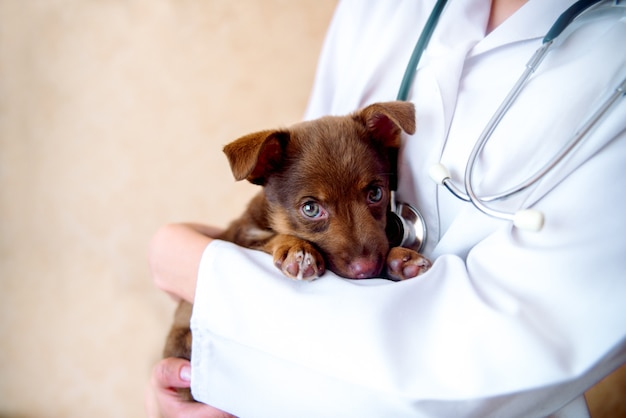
{"x":420,"y":47}
{"x":527,"y":219}
{"x":568,"y":17}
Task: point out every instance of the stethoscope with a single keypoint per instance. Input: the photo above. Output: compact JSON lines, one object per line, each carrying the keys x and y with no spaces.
{"x":406,"y":226}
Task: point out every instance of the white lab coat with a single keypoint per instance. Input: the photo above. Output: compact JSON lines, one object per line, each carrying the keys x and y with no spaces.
{"x":506,"y":323}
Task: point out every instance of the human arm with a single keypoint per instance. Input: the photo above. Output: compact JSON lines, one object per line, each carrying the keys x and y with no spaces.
{"x":174,"y":256}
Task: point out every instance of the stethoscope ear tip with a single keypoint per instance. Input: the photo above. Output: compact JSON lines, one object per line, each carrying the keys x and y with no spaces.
{"x":529,"y":220}
{"x":438,"y":173}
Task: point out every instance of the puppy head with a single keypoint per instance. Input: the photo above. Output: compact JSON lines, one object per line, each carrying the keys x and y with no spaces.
{"x":327,"y":181}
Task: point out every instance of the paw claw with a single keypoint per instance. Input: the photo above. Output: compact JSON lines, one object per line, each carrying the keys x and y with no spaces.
{"x":300,"y":263}
{"x":403,"y":263}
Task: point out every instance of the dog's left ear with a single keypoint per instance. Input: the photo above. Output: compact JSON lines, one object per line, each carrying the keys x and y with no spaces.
{"x":255,"y":156}
{"x":385,"y":121}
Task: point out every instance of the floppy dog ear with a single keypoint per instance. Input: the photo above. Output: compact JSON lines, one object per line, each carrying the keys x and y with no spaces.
{"x":386,"y":120}
{"x":255,"y":156}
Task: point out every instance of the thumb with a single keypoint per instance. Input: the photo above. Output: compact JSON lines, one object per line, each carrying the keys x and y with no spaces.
{"x":173,"y":373}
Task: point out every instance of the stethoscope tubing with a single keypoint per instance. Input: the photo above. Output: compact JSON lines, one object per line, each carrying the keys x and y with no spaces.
{"x":528,"y":219}
{"x":532,"y":219}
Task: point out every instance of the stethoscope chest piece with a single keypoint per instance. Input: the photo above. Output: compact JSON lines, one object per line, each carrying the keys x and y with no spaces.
{"x":406,"y":227}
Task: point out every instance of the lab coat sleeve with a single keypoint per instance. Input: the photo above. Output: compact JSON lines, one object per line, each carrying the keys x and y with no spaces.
{"x":520,"y":326}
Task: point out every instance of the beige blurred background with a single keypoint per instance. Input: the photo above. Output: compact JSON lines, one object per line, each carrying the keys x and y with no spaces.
{"x":112,"y":118}
{"x":113,"y":114}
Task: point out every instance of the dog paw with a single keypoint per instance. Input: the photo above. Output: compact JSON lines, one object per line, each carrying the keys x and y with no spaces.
{"x":403,"y":263}
{"x":299,"y":262}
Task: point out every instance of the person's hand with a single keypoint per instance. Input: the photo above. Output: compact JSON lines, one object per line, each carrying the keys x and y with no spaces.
{"x":162,"y":399}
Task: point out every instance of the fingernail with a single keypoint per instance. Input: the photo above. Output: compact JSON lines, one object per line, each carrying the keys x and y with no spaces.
{"x":185,"y":373}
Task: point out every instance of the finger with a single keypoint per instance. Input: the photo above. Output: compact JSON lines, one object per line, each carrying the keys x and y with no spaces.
{"x":172,"y":373}
{"x":163,"y":402}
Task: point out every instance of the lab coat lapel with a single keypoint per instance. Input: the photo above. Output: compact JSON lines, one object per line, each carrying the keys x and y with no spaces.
{"x":456,"y":35}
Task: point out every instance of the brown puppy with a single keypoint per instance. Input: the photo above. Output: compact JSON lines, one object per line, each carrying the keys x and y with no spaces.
{"x":324,"y":200}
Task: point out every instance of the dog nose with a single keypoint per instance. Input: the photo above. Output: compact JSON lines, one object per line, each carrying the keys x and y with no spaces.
{"x":364,"y":268}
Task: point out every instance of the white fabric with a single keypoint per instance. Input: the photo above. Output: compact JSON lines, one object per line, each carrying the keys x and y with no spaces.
{"x":506,"y":323}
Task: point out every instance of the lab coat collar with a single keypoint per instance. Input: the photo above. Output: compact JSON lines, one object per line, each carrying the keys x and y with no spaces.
{"x":531,"y":21}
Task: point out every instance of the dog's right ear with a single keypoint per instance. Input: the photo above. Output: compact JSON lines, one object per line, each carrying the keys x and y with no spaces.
{"x":257,"y":155}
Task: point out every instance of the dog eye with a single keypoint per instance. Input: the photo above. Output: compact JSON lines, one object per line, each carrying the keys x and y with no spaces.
{"x":312,"y":210}
{"x":375,"y":194}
